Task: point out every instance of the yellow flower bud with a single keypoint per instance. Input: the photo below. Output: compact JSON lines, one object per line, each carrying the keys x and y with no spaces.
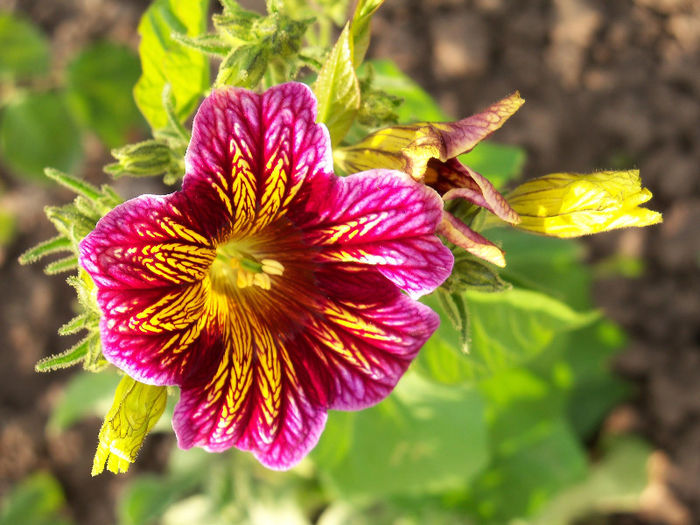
{"x":136,"y":409}
{"x":571,"y":205}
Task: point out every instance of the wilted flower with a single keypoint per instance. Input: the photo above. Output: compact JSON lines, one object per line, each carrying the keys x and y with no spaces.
{"x":267,"y":289}
{"x":427,"y":152}
{"x":570,"y":205}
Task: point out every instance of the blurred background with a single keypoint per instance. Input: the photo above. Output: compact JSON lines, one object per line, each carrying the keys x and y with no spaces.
{"x":607,"y":84}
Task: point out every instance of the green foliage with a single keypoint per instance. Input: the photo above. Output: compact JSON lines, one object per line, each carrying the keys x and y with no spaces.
{"x":497,"y":162}
{"x":615,"y":482}
{"x":37,"y":500}
{"x":337,"y":89}
{"x":360,"y":26}
{"x":99,"y":84}
{"x":85,"y":395}
{"x":400,"y":445}
{"x":8,"y":228}
{"x":165,"y":61}
{"x":24,"y":52}
{"x":73,"y":222}
{"x":29,"y":140}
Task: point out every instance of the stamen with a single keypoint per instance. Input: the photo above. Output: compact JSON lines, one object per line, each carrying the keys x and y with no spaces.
{"x":272,"y":267}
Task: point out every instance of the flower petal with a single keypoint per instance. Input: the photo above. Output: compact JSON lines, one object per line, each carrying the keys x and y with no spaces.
{"x":465,"y":183}
{"x":409,"y":148}
{"x":571,"y":205}
{"x":461,"y":136}
{"x":150,"y":241}
{"x":368,"y":336}
{"x":383,"y":219}
{"x":460,"y":234}
{"x":155,"y":335}
{"x":254,"y":401}
{"x":250,"y":153}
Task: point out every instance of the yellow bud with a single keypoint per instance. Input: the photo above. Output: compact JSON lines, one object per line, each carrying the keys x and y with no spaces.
{"x":571,"y":205}
{"x":136,"y":409}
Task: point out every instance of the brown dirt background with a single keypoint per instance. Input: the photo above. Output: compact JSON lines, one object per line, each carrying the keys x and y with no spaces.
{"x":608,"y":84}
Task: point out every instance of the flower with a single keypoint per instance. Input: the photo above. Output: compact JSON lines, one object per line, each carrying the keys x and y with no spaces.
{"x":268,"y":289}
{"x":571,"y":205}
{"x":427,"y":152}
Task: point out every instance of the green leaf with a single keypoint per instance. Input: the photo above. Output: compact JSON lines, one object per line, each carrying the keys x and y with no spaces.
{"x":74,"y":184}
{"x":86,"y":395}
{"x":584,"y":367}
{"x":166,"y":61}
{"x":514,"y":325}
{"x":8,"y":228}
{"x":39,"y":131}
{"x":24,"y":51}
{"x":53,"y":245}
{"x":99,"y":83}
{"x":65,"y":264}
{"x":519,"y":483}
{"x":545,"y":264}
{"x":614,"y":484}
{"x":423,"y":438}
{"x":497,"y":162}
{"x":359,"y":28}
{"x":506,"y":328}
{"x":36,"y":500}
{"x":417,"y":105}
{"x":337,"y":89}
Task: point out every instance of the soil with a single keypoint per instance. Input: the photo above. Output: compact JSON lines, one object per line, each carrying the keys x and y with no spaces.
{"x":607,"y":85}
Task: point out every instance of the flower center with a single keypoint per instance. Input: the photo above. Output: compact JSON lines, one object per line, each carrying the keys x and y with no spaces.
{"x":234,"y":265}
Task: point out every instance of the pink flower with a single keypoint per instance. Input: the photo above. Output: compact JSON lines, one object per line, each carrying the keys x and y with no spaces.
{"x":268,"y":289}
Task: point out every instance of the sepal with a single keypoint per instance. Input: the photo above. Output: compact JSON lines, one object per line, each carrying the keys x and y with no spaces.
{"x":472,"y":273}
{"x":455,"y":307}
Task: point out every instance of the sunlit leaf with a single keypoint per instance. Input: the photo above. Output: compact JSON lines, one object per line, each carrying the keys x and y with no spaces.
{"x":417,"y":105}
{"x":505,"y":329}
{"x":337,"y":89}
{"x":166,"y":61}
{"x":550,"y":265}
{"x":359,"y":28}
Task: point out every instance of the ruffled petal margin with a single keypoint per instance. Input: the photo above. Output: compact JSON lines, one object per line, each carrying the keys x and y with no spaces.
{"x":380,"y":219}
{"x":250,"y":154}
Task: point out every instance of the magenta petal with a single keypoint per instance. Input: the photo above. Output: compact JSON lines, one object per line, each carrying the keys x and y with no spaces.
{"x":149,"y":241}
{"x":368,"y":337}
{"x":460,"y":234}
{"x":382,"y":219}
{"x":250,"y":153}
{"x":462,"y":136}
{"x":474,"y":187}
{"x":255,"y":401}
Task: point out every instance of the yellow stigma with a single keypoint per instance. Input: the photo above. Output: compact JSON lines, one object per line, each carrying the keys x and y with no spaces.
{"x":242,"y":270}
